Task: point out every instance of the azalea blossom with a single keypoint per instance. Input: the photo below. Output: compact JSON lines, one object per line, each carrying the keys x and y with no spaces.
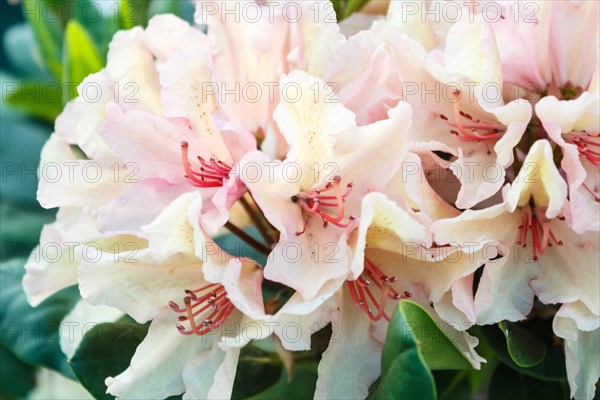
{"x":393,"y":258}
{"x":315,"y":204}
{"x":330,"y":151}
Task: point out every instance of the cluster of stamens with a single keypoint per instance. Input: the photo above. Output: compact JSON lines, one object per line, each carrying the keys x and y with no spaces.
{"x":472,"y":130}
{"x":205,"y":309}
{"x":212,"y":173}
{"x":315,"y":202}
{"x":542,"y":236}
{"x":370,"y":281}
{"x":588,"y":145}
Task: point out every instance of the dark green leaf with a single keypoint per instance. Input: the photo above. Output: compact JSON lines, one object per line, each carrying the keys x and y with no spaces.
{"x":438,"y":350}
{"x":21,"y":142}
{"x":301,"y":386}
{"x":23,"y":52}
{"x":32,"y":334}
{"x":38,"y":99}
{"x":17,"y":378}
{"x":552,"y":368}
{"x":20,"y":230}
{"x":404,"y":372}
{"x":80,"y":58}
{"x":106,"y":350}
{"x":524,"y":347}
{"x":46,"y":19}
{"x":257,"y":371}
{"x":507,"y":383}
{"x":453,"y":385}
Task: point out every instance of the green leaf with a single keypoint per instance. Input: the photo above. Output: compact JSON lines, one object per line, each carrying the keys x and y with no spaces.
{"x":80,"y":58}
{"x":552,"y":368}
{"x":17,"y":378}
{"x":415,"y":345}
{"x":20,"y":229}
{"x":301,"y":386}
{"x":39,"y":99}
{"x":100,"y":21}
{"x":21,"y":142}
{"x":32,"y":333}
{"x":257,"y":371}
{"x":353,"y":6}
{"x":524,"y":347}
{"x":45,"y":17}
{"x":23,"y":52}
{"x":507,"y":383}
{"x":106,"y":350}
{"x":452,"y":385}
{"x":439,"y":351}
{"x":133,"y":13}
{"x":404,"y":372}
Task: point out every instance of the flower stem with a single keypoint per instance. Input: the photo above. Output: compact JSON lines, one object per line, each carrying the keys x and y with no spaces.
{"x":247,"y":238}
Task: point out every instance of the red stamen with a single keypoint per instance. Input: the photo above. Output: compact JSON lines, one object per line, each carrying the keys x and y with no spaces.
{"x":312,"y":202}
{"x":362,"y":291}
{"x":542,"y":236}
{"x":476,"y":131}
{"x":212,"y":173}
{"x":584,"y":141}
{"x":214,"y":297}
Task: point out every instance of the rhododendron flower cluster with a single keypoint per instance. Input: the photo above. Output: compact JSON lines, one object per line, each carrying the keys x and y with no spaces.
{"x":453,"y":163}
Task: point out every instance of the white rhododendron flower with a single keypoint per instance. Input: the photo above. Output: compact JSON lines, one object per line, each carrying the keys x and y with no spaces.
{"x":386,"y":158}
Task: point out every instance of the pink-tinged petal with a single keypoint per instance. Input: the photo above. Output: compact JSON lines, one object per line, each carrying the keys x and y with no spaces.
{"x":134,"y":282}
{"x":248,"y":57}
{"x":504,"y":292}
{"x":52,"y":265}
{"x":89,"y":183}
{"x":570,"y":272}
{"x":479,"y":175}
{"x":80,"y":120}
{"x":412,"y":24}
{"x":188,"y":91}
{"x":132,"y":65}
{"x":385,"y":225}
{"x":560,"y":119}
{"x":574,"y":31}
{"x":369,"y":156}
{"x":317,"y":37}
{"x":215,"y":212}
{"x":364,"y":78}
{"x":138,"y":205}
{"x":523,"y":45}
{"x":303,"y":318}
{"x":540,"y":180}
{"x":157,"y":367}
{"x":171,"y":232}
{"x":410,"y":185}
{"x":351,"y":362}
{"x":242,"y":279}
{"x":579,"y":327}
{"x":471,"y":56}
{"x":150,"y":142}
{"x":166,"y":34}
{"x":211,"y":374}
{"x":515,"y":116}
{"x":310,"y":117}
{"x":266,"y":181}
{"x":309,"y":261}
{"x":357,"y":22}
{"x":491,"y":224}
